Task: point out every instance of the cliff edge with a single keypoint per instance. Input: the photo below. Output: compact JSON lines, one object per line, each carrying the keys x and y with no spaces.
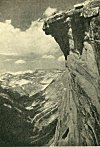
{"x":56,"y":107}
{"x":77,"y":32}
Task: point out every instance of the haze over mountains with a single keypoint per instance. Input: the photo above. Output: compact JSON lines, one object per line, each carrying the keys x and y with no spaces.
{"x":15,"y":63}
{"x":39,"y":103}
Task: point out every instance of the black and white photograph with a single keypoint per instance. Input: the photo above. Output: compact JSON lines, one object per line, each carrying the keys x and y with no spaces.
{"x":49,"y":73}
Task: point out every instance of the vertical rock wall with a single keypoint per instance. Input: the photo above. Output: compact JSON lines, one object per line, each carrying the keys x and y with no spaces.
{"x":79,"y":108}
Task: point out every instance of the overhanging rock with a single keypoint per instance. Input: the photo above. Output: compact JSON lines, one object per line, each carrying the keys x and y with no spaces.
{"x":81,"y":18}
{"x":79,"y":108}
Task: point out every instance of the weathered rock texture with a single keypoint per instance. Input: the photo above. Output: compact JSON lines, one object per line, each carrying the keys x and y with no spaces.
{"x":77,"y":32}
{"x":58,"y":107}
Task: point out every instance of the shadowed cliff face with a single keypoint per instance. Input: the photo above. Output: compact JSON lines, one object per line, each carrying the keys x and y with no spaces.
{"x":78,"y":20}
{"x":96,"y":32}
{"x":58,"y":107}
{"x":79,"y":107}
{"x":59,"y":30}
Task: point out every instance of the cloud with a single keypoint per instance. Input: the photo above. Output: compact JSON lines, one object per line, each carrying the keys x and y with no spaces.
{"x":48,"y":57}
{"x":15,"y":41}
{"x":20,"y":62}
{"x":61,"y":59}
{"x":8,"y":54}
{"x":8,"y":21}
{"x":49,"y":11}
{"x":7,"y":60}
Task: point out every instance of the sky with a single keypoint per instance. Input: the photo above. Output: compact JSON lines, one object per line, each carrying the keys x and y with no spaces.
{"x":21,"y":35}
{"x":23,"y":12}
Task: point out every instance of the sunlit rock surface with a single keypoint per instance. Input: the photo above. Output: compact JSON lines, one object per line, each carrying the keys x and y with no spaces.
{"x":79,"y":110}
{"x":79,"y":107}
{"x":56,"y":107}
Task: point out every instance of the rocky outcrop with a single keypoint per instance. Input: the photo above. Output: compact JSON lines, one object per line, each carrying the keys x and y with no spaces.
{"x":76,"y":22}
{"x":79,"y":107}
{"x":58,"y":107}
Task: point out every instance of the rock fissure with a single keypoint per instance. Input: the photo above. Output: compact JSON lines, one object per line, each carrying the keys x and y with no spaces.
{"x":59,"y":107}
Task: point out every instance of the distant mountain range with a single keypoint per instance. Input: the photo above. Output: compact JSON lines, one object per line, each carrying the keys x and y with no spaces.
{"x":15,"y":63}
{"x":29,"y":106}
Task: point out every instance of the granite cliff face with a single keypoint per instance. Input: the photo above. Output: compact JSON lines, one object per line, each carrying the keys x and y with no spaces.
{"x":77,"y":32}
{"x":58,"y":107}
